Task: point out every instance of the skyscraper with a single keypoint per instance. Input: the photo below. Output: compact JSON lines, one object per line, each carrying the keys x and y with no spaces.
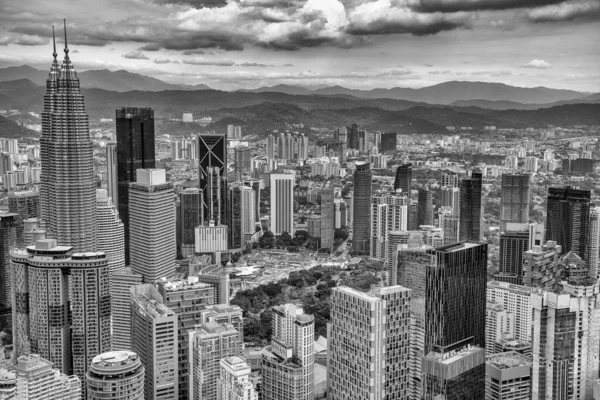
{"x":568,"y":219}
{"x":68,"y":187}
{"x":471,"y":208}
{"x":120,"y":299}
{"x":451,"y":199}
{"x":9,"y":228}
{"x":282,"y":203}
{"x":26,"y":203}
{"x":187,"y":299}
{"x":514,"y":242}
{"x":514,"y":199}
{"x":135,"y":150}
{"x":327,"y":217}
{"x":455,"y":304}
{"x":110,"y":236}
{"x":368,"y":338}
{"x":154,"y":339}
{"x":388,"y":142}
{"x":152,"y":244}
{"x":270,"y":146}
{"x":189,"y":217}
{"x":62,"y":303}
{"x":425,"y":210}
{"x":594,"y":242}
{"x":404,"y":178}
{"x":241,"y":213}
{"x":212,"y":170}
{"x":118,"y":374}
{"x":361,"y":202}
{"x":243,"y":162}
{"x":388,"y":214}
{"x":38,"y":380}
{"x":288,"y":364}
{"x":515,"y":299}
{"x":112,"y":174}
{"x":233,"y":382}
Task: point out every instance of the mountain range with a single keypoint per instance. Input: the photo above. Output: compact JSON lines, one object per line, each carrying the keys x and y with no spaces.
{"x":480,"y":94}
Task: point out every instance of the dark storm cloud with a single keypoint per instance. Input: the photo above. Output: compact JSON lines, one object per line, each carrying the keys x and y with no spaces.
{"x":203,"y":40}
{"x":450,"y":6}
{"x":195,"y":3}
{"x":417,"y":28}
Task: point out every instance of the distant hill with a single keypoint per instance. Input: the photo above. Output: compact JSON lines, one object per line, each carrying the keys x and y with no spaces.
{"x":118,"y":81}
{"x":12,"y":130}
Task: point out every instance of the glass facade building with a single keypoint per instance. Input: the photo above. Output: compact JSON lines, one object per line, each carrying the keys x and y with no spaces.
{"x":212,"y":170}
{"x":403,"y":178}
{"x":471,"y":208}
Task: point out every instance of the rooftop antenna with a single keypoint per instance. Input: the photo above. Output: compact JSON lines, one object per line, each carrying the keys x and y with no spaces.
{"x":66,"y":45}
{"x":54,"y":43}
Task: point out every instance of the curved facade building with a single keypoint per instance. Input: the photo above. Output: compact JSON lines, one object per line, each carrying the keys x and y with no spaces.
{"x":68,"y":185}
{"x":117,"y":375}
{"x":110,"y":232}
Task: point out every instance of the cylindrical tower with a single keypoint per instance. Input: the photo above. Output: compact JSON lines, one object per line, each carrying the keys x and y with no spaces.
{"x":118,"y":375}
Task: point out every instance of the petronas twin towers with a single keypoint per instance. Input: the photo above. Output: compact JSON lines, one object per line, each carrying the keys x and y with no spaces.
{"x":68,"y":187}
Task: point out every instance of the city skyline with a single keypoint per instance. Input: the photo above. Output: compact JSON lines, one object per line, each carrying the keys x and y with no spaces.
{"x":307,"y":42}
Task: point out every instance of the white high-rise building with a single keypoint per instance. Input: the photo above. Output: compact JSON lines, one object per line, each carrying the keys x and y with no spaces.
{"x":515,"y":299}
{"x":288,"y":364}
{"x":369,"y":344}
{"x":282,"y":203}
{"x":120,"y":300}
{"x":565,"y":346}
{"x":152,"y":241}
{"x":389,"y":212}
{"x":499,"y":325}
{"x":110,"y":235}
{"x":38,"y":380}
{"x":594,"y":242}
{"x":211,"y":238}
{"x":112,"y":179}
{"x":234,"y":382}
{"x":116,"y":375}
{"x":187,"y":117}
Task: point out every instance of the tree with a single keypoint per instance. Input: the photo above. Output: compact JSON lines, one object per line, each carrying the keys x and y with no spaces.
{"x":341,"y":233}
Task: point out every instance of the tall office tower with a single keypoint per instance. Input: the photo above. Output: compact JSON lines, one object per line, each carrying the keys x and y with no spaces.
{"x":9,"y":229}
{"x":282,"y":203}
{"x":212,"y":170}
{"x":508,"y":376}
{"x":449,"y":179}
{"x":112,"y":175}
{"x":340,"y":213}
{"x":517,"y":300}
{"x":352,"y":137}
{"x":302,"y":141}
{"x":471,"y":208}
{"x":243,"y":162}
{"x":117,"y":375}
{"x":425,"y":210}
{"x":135,"y":150}
{"x":288,"y":364}
{"x":514,"y":242}
{"x":255,"y":184}
{"x":270,"y":146}
{"x":234,"y":380}
{"x":413,"y":214}
{"x":62,"y":302}
{"x":225,"y":315}
{"x":361,"y":202}
{"x":593,"y":242}
{"x":514,"y":199}
{"x":219,"y":280}
{"x":369,"y":344}
{"x":189,"y":217}
{"x":388,"y":214}
{"x":38,"y":380}
{"x":388,"y":141}
{"x":154,"y":339}
{"x":26,"y":203}
{"x":541,"y":266}
{"x":568,"y":219}
{"x":565,"y":347}
{"x":327,"y":217}
{"x":187,"y":299}
{"x":499,"y":325}
{"x":120,"y":298}
{"x":68,"y":187}
{"x":152,"y":240}
{"x":209,"y":343}
{"x":281,"y":146}
{"x":451,"y":199}
{"x":242,"y":215}
{"x":340,"y":135}
{"x":455,"y":303}
{"x":449,"y":224}
{"x":110,"y":235}
{"x":403,"y":178}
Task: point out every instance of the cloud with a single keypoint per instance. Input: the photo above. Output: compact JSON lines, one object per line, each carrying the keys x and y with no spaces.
{"x":384,"y":17}
{"x":566,"y":11}
{"x":150,"y":47}
{"x":165,"y":61}
{"x":288,"y":65}
{"x":135,"y":55}
{"x":194,"y":52}
{"x":250,"y":64}
{"x":452,"y":6}
{"x":74,"y":51}
{"x":538,"y":64}
{"x":200,"y":61}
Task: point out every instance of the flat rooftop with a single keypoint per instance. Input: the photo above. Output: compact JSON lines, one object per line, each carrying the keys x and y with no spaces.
{"x":508,"y":360}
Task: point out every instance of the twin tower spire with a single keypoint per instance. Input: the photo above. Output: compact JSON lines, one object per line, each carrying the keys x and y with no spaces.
{"x":66,"y":45}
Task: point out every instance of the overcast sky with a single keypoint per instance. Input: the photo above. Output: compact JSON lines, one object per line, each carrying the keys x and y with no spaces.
{"x":229,"y":44}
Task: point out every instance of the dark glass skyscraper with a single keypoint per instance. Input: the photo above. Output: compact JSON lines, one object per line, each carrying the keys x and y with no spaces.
{"x":189,"y":216}
{"x":471,"y":209}
{"x":404,"y":178}
{"x":425,"y":208}
{"x":361,"y":207}
{"x":212,"y":160}
{"x":514,"y":204}
{"x":388,"y":141}
{"x":512,"y":247}
{"x":568,"y":219}
{"x":135,"y":150}
{"x":68,"y":185}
